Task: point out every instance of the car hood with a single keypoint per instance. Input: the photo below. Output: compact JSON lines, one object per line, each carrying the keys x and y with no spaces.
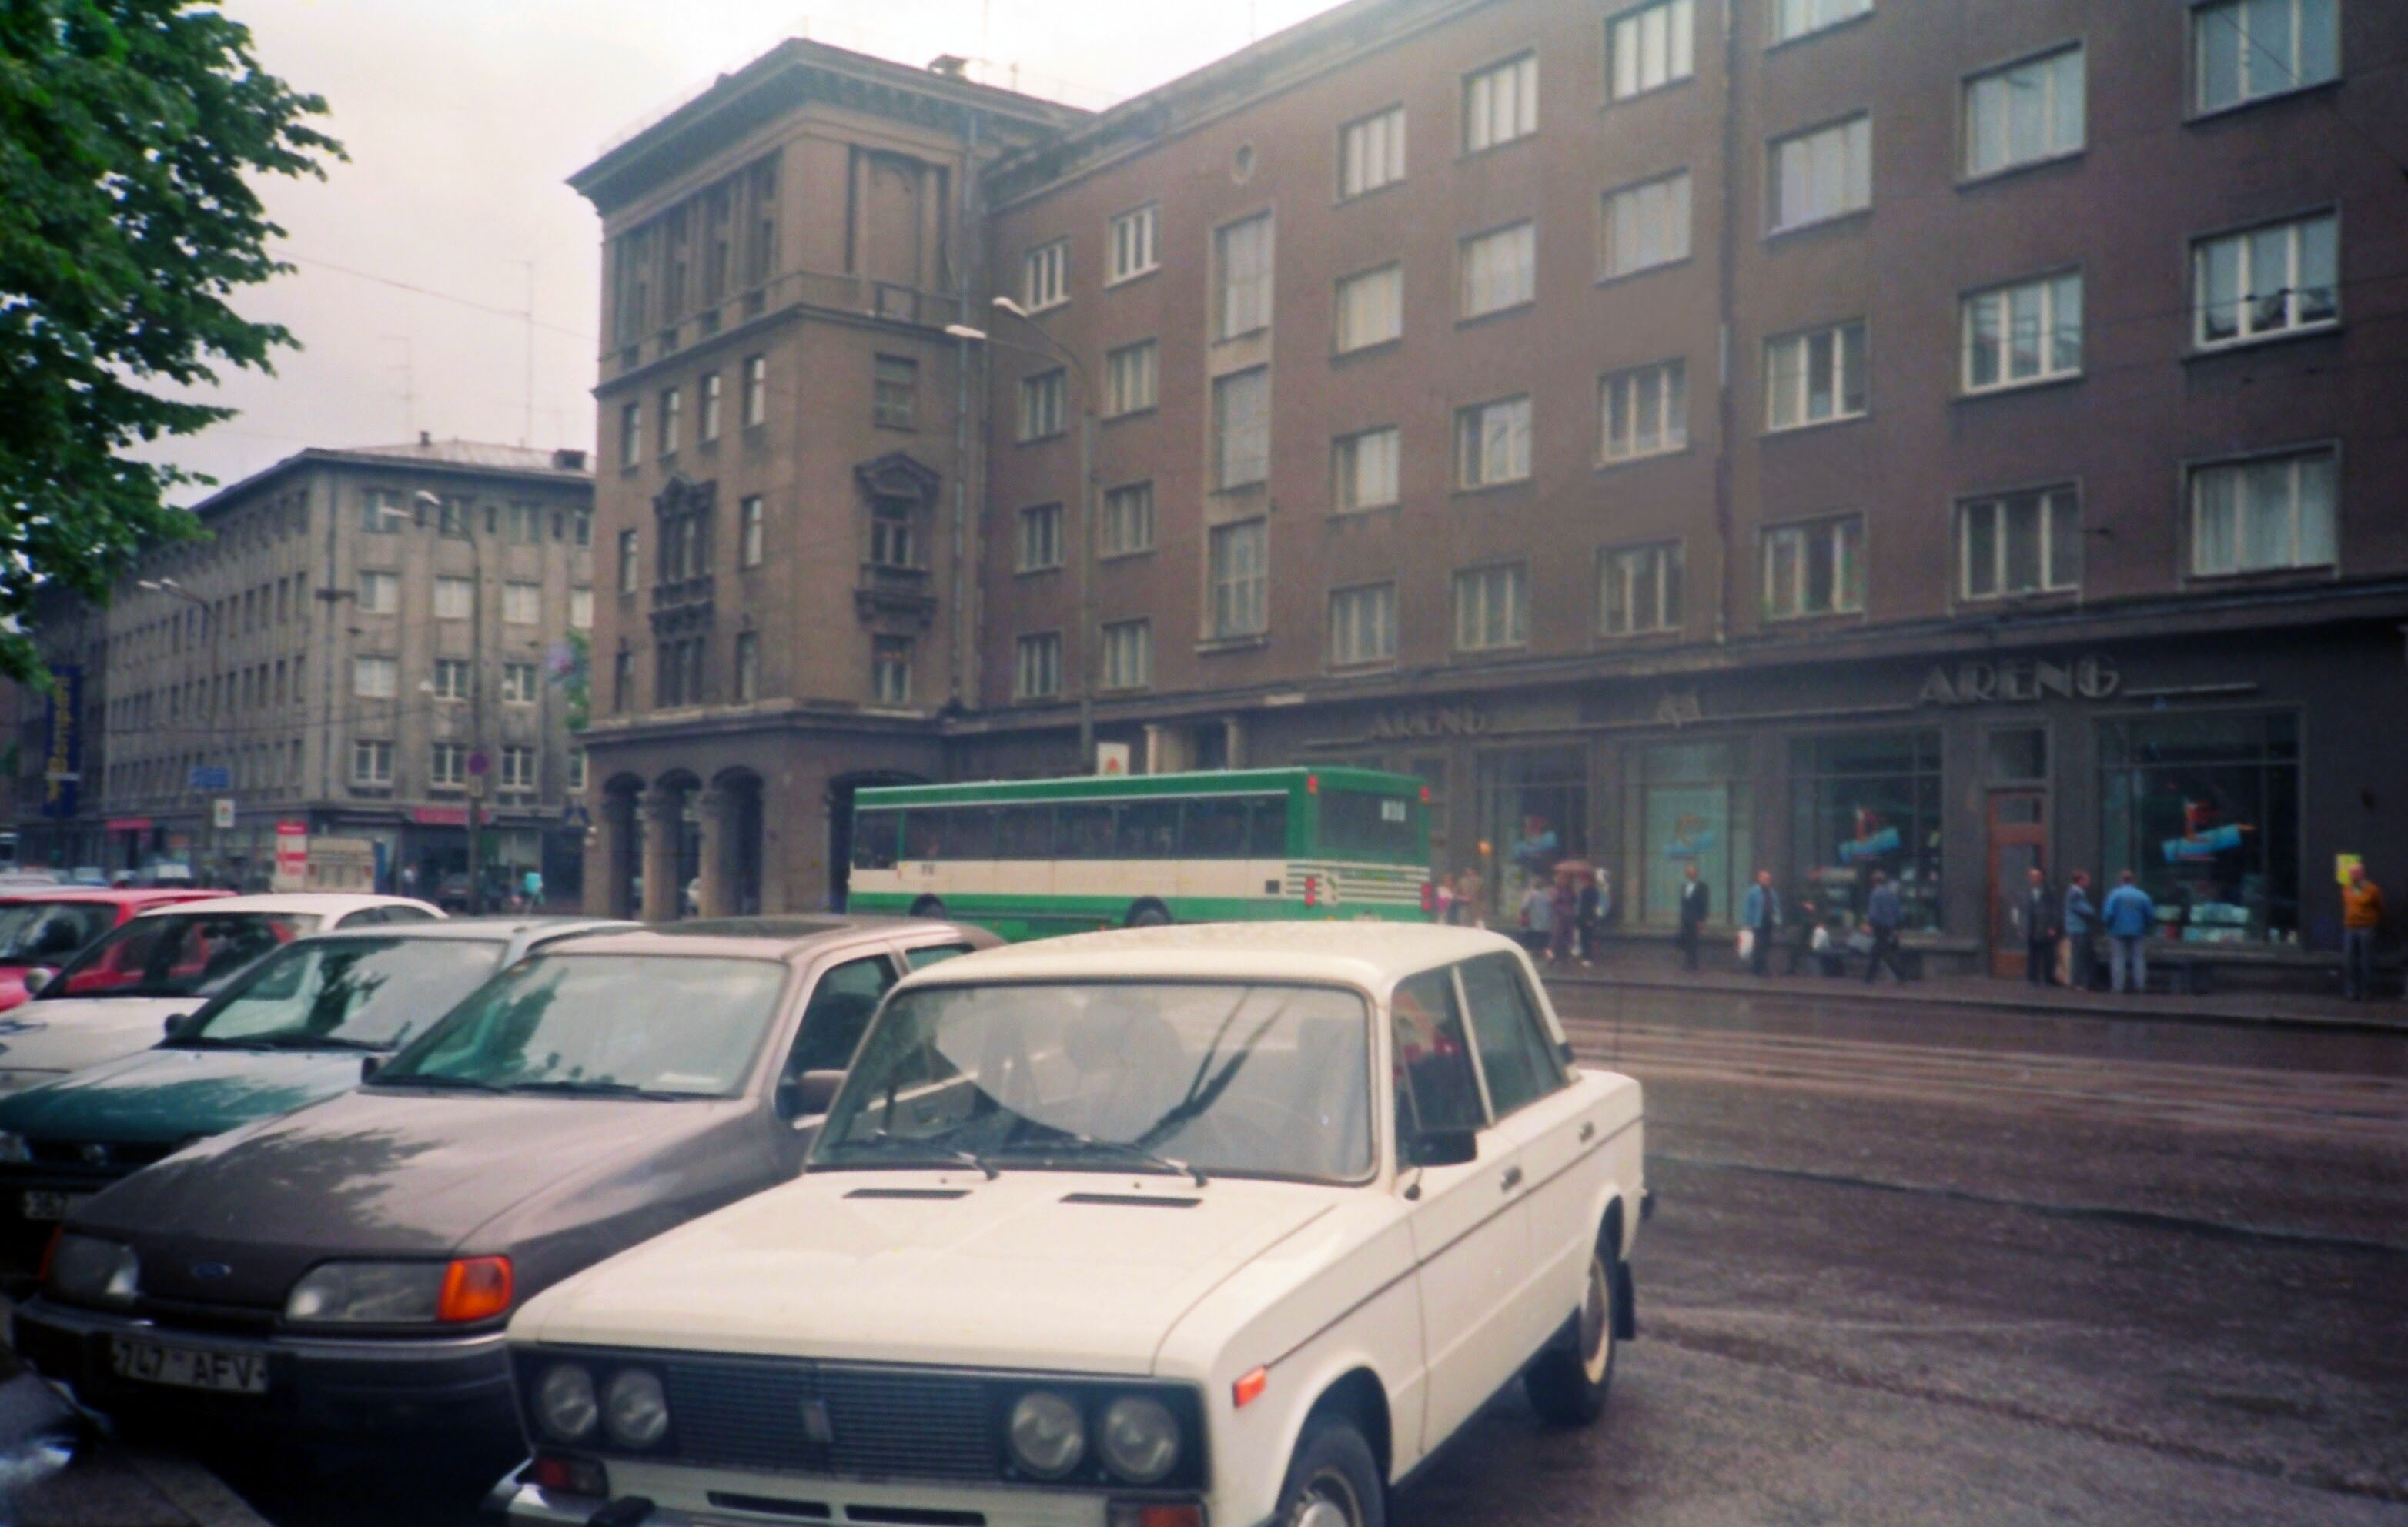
{"x":1071,"y":1271}
{"x":67,"y":1034}
{"x":378,"y":1173}
{"x":164,"y":1095}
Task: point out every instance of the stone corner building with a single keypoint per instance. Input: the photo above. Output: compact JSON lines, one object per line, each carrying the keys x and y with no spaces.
{"x":1816,"y":435}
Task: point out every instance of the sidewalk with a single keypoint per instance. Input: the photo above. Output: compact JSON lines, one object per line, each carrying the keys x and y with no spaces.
{"x":1650,"y":965}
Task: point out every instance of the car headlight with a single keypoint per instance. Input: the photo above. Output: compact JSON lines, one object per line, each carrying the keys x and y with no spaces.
{"x":366,"y":1292}
{"x":1047,"y":1435}
{"x":88,"y":1268}
{"x":1139,"y":1439}
{"x":564,"y":1403}
{"x":635,"y":1411}
{"x":13,"y":1147}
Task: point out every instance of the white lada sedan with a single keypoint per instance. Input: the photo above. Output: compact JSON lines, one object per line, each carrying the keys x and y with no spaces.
{"x":1208,"y":1226}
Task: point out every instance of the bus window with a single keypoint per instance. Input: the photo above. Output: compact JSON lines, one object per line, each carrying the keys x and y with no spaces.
{"x":1147,"y":830}
{"x":1376,"y":826}
{"x":1024,"y":832}
{"x":920,"y":834}
{"x":967,"y":832}
{"x":1214,"y":827}
{"x":1267,"y":828}
{"x":873,"y":839}
{"x":1083,"y":830}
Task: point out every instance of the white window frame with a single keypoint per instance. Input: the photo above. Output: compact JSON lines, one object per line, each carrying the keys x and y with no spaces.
{"x":1624,"y":395}
{"x":1789,"y":20}
{"x":580,"y":609}
{"x":2312,"y":548}
{"x":456,"y":598}
{"x":1045,"y":276}
{"x":1498,"y":269}
{"x":1479,"y":427}
{"x":2055,"y":518}
{"x":1660,"y":567}
{"x":1999,"y":89}
{"x":1237,"y":463}
{"x":1626,"y":243}
{"x":1132,"y":379}
{"x":375,"y":675}
{"x":452,"y":678}
{"x":371,"y":762}
{"x":752,"y":530}
{"x":672,"y":414}
{"x":1839,"y":158}
{"x":2211,"y":27}
{"x":1371,"y":153}
{"x":2041,"y":308}
{"x":1847,"y":553}
{"x":1128,"y":655}
{"x":1036,"y":666}
{"x":519,"y":683}
{"x":1361,"y":480}
{"x":2297,"y":316}
{"x":518,"y":766}
{"x":1499,"y":103}
{"x":756,"y":391}
{"x":1243,"y":301}
{"x":1239,"y":602}
{"x":706,"y":408}
{"x":890,"y":676}
{"x":521,"y":602}
{"x":1133,"y":244}
{"x":1369,"y":308}
{"x":1038,"y":547}
{"x":1044,"y":405}
{"x":630,"y":434}
{"x":1839,"y":379}
{"x":1649,"y":47}
{"x":447,"y":765}
{"x":1363,"y":625}
{"x":574,"y":771}
{"x":1127,"y":520}
{"x":1491,"y":607}
{"x":631,"y":574}
{"x":379,"y":591}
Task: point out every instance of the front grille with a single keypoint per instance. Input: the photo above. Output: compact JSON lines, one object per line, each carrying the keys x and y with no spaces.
{"x":883,"y":1424}
{"x":117,"y":1155}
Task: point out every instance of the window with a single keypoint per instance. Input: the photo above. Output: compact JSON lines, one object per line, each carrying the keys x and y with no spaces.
{"x":1650,"y":47}
{"x":890,"y":670}
{"x":580,"y":525}
{"x":522,"y":604}
{"x":1516,"y":1057}
{"x":1867,"y":801}
{"x":1822,"y":174}
{"x":1129,"y":378}
{"x":456,"y":598}
{"x":750,"y":534}
{"x":1363,"y":625}
{"x":1370,"y":309}
{"x":1643,"y":226}
{"x":623,"y":681}
{"x":2027,"y":333}
{"x":1499,"y":269}
{"x":1128,"y":654}
{"x":1797,"y":17}
{"x":1132,"y":241}
{"x":1038,"y":673}
{"x":756,"y":391}
{"x":1240,"y":556}
{"x":890,"y":537}
{"x":2275,"y":280}
{"x":1243,"y":252}
{"x":374,"y":678}
{"x":1043,"y":401}
{"x":1816,"y":568}
{"x":629,"y":569}
{"x":895,"y":391}
{"x":678,"y":680}
{"x":448,"y":765}
{"x":630,"y":434}
{"x":706,"y":424}
{"x":518,"y":768}
{"x":1492,"y":608}
{"x":1242,"y":428}
{"x":2272,"y":512}
{"x":576,"y":771}
{"x":1639,"y":590}
{"x":452,"y":678}
{"x":518,"y":683}
{"x":2024,"y":113}
{"x":381,"y":512}
{"x":1045,"y":276}
{"x":2244,"y":49}
{"x":371,"y":763}
{"x":1364,"y":466}
{"x":1492,"y":443}
{"x":1436,"y":1087}
{"x":1371,"y":153}
{"x":1644,"y":411}
{"x":1040,"y":538}
{"x":2205,"y":808}
{"x":580,"y":610}
{"x":527,"y":525}
{"x":1500,"y":103}
{"x":748,"y":665}
{"x":1128,"y":519}
{"x":671,"y":411}
{"x":2020,"y":543}
{"x":379,"y":594}
{"x":1812,"y":378}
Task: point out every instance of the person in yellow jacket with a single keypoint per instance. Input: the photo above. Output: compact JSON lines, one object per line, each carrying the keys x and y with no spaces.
{"x":2361,"y":916}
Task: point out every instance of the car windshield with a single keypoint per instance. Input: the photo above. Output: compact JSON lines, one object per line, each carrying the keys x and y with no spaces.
{"x":31,"y":933}
{"x":177,"y":955}
{"x":344,"y":993}
{"x":603,"y":1024}
{"x":1222,"y":1078}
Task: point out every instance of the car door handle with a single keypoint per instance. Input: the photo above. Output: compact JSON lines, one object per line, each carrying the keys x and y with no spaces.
{"x":1513,"y":1180}
{"x":1588,"y":1130}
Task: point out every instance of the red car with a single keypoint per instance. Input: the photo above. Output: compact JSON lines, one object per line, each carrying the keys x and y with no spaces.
{"x":44,"y":927}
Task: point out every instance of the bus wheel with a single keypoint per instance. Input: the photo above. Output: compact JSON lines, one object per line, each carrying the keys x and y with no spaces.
{"x":1148,"y":915}
{"x":929,"y":907}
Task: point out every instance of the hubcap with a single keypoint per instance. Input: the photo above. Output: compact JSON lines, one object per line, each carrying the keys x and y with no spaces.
{"x":1328,"y":1502}
{"x":1597,"y":1322}
{"x":1324,"y":1514}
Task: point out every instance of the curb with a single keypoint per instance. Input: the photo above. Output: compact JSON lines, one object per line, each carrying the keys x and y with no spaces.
{"x":192,"y":1490}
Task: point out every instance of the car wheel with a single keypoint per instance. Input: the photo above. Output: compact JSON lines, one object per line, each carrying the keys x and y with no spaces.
{"x":1567,"y":1382}
{"x":1148,"y":915}
{"x":929,"y":907}
{"x":1333,"y":1480}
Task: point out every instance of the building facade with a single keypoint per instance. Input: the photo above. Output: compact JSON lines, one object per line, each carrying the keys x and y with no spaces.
{"x":1825,"y":436}
{"x":363,"y":640}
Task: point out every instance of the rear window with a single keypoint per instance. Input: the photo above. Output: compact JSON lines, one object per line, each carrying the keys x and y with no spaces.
{"x":177,"y":955}
{"x":33,"y":932}
{"x":1381,"y":827}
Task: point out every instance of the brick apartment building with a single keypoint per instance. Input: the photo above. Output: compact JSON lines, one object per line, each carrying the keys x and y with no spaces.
{"x":1820,"y":435}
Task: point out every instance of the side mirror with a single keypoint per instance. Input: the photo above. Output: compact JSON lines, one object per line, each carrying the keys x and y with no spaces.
{"x":38,"y":980}
{"x":369,"y":1064}
{"x":1442,"y":1148}
{"x":808,"y":1097}
{"x":176,"y":1021}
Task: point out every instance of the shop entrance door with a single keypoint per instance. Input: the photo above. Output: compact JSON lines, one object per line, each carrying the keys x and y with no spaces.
{"x":2019,"y":845}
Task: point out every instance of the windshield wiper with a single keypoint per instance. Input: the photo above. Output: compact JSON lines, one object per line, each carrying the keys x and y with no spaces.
{"x":593,"y":1089}
{"x":203,"y":1041}
{"x":1081,"y":1145}
{"x":931,"y":1154}
{"x":317,"y":1041}
{"x":433,"y":1078}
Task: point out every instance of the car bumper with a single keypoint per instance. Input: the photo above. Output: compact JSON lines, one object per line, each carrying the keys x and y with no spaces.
{"x":733,"y":1498}
{"x":325,"y":1387}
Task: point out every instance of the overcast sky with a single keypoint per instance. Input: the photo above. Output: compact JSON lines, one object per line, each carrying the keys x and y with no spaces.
{"x":462,"y":120}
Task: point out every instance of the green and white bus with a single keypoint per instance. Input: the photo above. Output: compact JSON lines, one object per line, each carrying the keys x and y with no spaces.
{"x":1031,"y":858}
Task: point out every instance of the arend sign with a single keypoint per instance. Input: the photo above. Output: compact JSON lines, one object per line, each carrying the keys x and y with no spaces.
{"x":2019,"y":680}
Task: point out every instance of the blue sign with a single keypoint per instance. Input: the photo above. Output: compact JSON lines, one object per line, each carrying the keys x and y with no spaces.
{"x":210,"y":776}
{"x":62,"y":741}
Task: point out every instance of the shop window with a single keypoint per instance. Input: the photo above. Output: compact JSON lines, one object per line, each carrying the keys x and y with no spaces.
{"x":1687,"y":804}
{"x":1533,"y":808}
{"x":2204,"y":810}
{"x":1863,"y":802}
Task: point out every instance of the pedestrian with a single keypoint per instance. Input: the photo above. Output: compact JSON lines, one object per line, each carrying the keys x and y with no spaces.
{"x":1443,"y":899}
{"x":1565,"y":907}
{"x":1467,"y":888}
{"x":2037,"y":913}
{"x":1538,"y":917}
{"x":1696,"y":901}
{"x":1801,"y":948}
{"x":2128,"y":915}
{"x":1760,"y":914}
{"x":1884,"y":915}
{"x":2081,"y":932}
{"x":1590,"y":914}
{"x":531,"y":890}
{"x":2361,"y":919}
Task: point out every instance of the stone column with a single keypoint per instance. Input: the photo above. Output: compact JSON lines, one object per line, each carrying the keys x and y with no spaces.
{"x":659,"y":810}
{"x":602,"y":862}
{"x":716,"y":896}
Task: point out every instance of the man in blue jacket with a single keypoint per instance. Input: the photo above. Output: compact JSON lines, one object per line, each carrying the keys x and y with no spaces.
{"x":1762,"y":916}
{"x":2128,"y":915}
{"x":2081,"y":928}
{"x":1883,"y":915}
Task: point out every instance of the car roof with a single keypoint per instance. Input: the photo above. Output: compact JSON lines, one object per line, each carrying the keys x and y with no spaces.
{"x":118,"y":895}
{"x":1372,"y":955}
{"x":331,"y":903}
{"x":776,"y":938}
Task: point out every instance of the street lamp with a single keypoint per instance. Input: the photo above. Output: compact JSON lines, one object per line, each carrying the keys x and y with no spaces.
{"x":476,"y":681}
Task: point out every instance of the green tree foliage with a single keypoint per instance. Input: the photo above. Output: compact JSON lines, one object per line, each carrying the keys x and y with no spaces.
{"x":128,"y":128}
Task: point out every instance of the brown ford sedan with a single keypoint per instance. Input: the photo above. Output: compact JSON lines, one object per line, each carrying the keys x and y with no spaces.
{"x":345,"y":1271}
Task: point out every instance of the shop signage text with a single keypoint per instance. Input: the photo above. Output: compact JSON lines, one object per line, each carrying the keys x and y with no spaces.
{"x":1429,"y":721}
{"x":2019,"y":680}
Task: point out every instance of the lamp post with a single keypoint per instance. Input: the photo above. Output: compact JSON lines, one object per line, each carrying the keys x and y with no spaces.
{"x":475,"y":687}
{"x":174,"y":590}
{"x":1087,"y":528}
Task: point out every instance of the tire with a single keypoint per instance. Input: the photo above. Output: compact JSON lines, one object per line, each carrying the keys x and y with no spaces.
{"x":1568,"y":1381}
{"x":1148,"y":915}
{"x":1333,"y":1480}
{"x":929,"y":907}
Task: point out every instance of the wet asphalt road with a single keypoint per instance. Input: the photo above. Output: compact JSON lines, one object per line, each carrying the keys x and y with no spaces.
{"x":1921,"y":1265}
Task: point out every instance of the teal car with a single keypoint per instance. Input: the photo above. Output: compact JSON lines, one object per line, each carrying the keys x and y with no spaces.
{"x":292,"y":1031}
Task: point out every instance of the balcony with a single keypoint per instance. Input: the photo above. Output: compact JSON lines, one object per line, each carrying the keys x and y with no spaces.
{"x":841,"y":292}
{"x":892,"y":595}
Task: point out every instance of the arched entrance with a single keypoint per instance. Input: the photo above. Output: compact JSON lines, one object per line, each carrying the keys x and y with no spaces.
{"x":839,"y":805}
{"x":622,"y":836}
{"x":676,"y":819}
{"x":731,"y":845}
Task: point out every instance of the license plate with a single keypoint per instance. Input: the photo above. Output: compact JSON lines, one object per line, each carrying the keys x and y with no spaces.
{"x":49,"y":1206}
{"x":188,"y":1367}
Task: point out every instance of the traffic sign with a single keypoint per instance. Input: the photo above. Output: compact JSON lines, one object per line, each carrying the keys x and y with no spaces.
{"x":479,"y":763}
{"x":207,"y":776}
{"x":221,"y":814}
